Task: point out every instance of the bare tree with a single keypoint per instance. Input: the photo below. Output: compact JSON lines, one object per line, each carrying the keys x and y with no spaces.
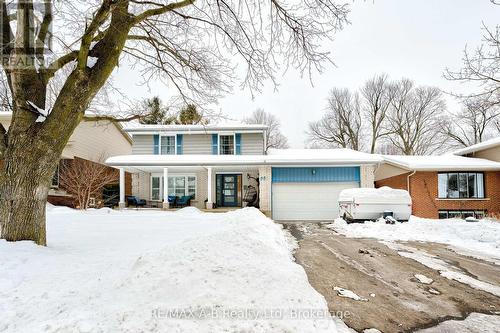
{"x":474,"y":123}
{"x":482,"y":66}
{"x":85,"y":179}
{"x":275,"y":139}
{"x":341,"y":125}
{"x":377,"y":100}
{"x":415,"y":117}
{"x":189,"y":44}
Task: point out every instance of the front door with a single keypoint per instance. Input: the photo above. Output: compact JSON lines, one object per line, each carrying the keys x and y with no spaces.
{"x":228,"y":190}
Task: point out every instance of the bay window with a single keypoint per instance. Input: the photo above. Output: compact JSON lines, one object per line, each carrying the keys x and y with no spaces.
{"x":461,"y":185}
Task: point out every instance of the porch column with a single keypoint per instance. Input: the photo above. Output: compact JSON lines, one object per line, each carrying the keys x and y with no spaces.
{"x":121,"y":204}
{"x":165,"y":189}
{"x":210,"y":203}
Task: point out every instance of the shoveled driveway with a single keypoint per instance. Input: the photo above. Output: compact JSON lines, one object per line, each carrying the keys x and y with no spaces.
{"x":396,"y":300}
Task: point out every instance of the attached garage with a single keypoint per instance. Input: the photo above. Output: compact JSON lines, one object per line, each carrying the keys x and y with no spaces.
{"x":310,"y":193}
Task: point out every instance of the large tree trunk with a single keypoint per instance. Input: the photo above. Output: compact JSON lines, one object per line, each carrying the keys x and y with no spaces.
{"x":23,"y":196}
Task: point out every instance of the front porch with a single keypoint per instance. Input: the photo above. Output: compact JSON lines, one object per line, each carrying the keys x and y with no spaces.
{"x":208,"y":188}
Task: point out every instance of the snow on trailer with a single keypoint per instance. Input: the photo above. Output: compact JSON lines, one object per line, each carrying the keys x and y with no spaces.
{"x":361,"y":204}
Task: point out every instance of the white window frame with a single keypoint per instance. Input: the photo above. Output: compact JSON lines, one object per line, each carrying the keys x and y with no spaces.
{"x":219,"y":142}
{"x":151,"y":186}
{"x":172,"y":175}
{"x":175,"y":143}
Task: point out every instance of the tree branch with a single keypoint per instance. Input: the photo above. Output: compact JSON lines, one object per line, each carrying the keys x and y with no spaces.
{"x":162,"y":10}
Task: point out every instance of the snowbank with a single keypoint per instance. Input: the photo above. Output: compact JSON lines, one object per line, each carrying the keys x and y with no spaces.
{"x":481,"y":239}
{"x":384,"y":193}
{"x":131,"y":271}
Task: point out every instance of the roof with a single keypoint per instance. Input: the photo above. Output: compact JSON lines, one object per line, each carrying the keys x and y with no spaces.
{"x":222,"y":126}
{"x":275,"y":157}
{"x":7,"y":115}
{"x":479,"y":146}
{"x":441,"y":163}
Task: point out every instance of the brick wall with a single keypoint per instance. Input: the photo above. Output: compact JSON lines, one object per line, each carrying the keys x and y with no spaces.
{"x":424,"y":194}
{"x":67,"y":200}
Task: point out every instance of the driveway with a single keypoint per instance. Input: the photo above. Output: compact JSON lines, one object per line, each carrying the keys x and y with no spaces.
{"x":394,"y":299}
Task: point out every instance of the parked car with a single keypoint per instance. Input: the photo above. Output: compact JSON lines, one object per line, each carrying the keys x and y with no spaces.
{"x":361,"y":204}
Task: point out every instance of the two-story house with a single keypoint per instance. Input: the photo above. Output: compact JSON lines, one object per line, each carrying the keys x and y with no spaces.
{"x":219,"y":164}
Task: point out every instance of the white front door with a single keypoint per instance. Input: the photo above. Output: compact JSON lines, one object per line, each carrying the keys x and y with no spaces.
{"x":307,"y":201}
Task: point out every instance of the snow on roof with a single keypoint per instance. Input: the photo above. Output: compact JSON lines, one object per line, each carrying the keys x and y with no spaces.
{"x":441,"y":163}
{"x":226,"y":125}
{"x":479,"y":146}
{"x":276,"y":157}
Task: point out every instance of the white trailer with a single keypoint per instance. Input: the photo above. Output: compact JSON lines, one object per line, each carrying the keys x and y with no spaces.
{"x":362,"y":204}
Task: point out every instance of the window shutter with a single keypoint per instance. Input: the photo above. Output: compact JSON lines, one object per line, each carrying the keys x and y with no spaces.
{"x":156,"y":144}
{"x":215,"y":144}
{"x":237,"y":138}
{"x":179,"y":144}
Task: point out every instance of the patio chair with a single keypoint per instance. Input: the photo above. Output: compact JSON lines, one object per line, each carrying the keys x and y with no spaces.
{"x":134,"y":201}
{"x":183,"y":201}
{"x":172,"y":199}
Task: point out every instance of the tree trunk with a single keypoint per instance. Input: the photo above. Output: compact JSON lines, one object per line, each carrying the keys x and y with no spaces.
{"x":23,"y":195}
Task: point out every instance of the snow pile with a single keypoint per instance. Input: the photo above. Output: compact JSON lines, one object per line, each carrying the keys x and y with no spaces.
{"x":423,"y":279}
{"x":135,"y":271}
{"x":382,"y":194}
{"x":474,"y":323}
{"x":481,"y":239}
{"x":341,"y":292}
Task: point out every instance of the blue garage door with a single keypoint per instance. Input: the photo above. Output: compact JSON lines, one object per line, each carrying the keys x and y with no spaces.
{"x":310,"y":193}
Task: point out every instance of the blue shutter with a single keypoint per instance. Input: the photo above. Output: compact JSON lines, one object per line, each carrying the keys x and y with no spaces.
{"x":179,"y":144}
{"x":156,"y":144}
{"x":237,"y":138}
{"x":215,"y":144}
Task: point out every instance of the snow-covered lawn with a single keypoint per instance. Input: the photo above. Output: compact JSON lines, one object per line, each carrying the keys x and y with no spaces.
{"x":132,"y":271}
{"x":479,"y":239}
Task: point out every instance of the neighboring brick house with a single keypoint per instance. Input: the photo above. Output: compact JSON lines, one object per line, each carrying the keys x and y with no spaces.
{"x":92,"y":141}
{"x":444,"y":186}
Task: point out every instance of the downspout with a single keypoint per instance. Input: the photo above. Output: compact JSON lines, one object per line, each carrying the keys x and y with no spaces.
{"x":408,"y":181}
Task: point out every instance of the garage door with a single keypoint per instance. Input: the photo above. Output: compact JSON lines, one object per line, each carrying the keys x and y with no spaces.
{"x":307,"y":201}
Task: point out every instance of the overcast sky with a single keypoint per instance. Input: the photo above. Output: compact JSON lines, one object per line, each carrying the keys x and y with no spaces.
{"x":416,"y":39}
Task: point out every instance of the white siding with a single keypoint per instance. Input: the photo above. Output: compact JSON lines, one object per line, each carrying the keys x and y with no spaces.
{"x":142,"y":144}
{"x":252,"y":144}
{"x":200,"y":144}
{"x":96,"y":141}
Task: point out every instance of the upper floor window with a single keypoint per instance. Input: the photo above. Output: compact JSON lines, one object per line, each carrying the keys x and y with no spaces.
{"x":456,"y":185}
{"x":167,"y":145}
{"x":226,"y":144}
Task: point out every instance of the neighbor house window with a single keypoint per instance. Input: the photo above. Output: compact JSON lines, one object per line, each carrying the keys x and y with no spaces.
{"x":226,"y":144}
{"x":167,"y":145}
{"x":461,"y":214}
{"x":155,"y":188}
{"x":457,"y":185}
{"x":182,"y":185}
{"x":55,"y":178}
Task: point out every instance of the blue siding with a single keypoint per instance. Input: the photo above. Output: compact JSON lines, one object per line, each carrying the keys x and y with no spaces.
{"x":156,"y":144}
{"x":238,"y":143}
{"x":215,"y":144}
{"x":316,"y":175}
{"x":179,"y":144}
